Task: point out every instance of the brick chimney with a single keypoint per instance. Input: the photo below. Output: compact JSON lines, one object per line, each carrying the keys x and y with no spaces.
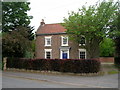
{"x":42,"y":23}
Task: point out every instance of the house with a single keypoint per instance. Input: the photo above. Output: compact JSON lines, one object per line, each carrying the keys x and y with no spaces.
{"x":52,"y":42}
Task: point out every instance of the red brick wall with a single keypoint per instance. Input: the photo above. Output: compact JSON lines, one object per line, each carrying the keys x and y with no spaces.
{"x":56,"y":44}
{"x":107,"y":59}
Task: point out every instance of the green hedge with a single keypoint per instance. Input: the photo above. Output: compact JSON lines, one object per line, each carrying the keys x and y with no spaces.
{"x":60,"y":65}
{"x":117,"y":62}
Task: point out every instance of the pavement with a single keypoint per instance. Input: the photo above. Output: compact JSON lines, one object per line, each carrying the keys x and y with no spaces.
{"x":16,"y":79}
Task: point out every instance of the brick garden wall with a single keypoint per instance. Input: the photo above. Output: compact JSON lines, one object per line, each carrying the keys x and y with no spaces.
{"x":107,"y":59}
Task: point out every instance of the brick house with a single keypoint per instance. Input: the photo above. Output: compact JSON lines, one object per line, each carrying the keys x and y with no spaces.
{"x":52,"y":42}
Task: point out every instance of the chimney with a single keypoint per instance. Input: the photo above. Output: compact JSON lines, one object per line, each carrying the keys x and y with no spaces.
{"x":42,"y":23}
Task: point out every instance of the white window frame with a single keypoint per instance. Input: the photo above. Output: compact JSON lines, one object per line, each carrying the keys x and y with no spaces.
{"x":48,"y":50}
{"x":48,"y":37}
{"x":67,"y":53}
{"x":85,"y":41}
{"x":82,"y":50}
{"x":62,"y":37}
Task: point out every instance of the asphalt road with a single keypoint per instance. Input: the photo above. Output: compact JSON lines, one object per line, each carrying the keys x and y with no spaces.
{"x":38,"y":80}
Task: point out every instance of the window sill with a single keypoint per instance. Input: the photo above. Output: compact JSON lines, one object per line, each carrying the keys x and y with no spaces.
{"x":65,"y":45}
{"x":47,"y":45}
{"x":81,"y":44}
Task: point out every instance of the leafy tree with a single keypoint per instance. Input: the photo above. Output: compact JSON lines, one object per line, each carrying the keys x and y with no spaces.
{"x":31,"y":53}
{"x":92,"y":22}
{"x":0,"y":46}
{"x":115,"y":27}
{"x":117,"y":37}
{"x":16,"y":43}
{"x":0,"y":17}
{"x":17,"y":34}
{"x":117,"y":42}
{"x":14,"y":14}
{"x":107,"y":48}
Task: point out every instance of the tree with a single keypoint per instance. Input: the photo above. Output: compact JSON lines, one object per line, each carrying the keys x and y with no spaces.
{"x":93,"y":23}
{"x":0,"y":16}
{"x":107,"y":48}
{"x":115,"y":27}
{"x":14,"y":14}
{"x":17,"y":34}
{"x":117,"y":37}
{"x":16,"y":43}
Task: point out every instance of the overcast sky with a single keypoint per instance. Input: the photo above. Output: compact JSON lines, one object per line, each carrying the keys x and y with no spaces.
{"x":53,"y":11}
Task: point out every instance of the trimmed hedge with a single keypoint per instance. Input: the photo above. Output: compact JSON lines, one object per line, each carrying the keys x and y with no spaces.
{"x":60,"y":65}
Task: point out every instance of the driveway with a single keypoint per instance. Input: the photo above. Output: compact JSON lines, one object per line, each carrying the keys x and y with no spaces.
{"x":39,"y":80}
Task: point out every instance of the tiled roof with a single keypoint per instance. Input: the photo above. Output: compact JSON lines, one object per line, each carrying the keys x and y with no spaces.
{"x":51,"y":28}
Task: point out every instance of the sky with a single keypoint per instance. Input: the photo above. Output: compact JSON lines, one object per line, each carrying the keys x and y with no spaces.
{"x":54,"y":11}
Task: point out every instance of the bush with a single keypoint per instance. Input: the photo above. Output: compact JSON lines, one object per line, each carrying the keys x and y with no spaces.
{"x":60,"y":65}
{"x":117,"y":62}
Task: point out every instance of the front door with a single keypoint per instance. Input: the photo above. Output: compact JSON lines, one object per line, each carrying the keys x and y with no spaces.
{"x":65,"y":54}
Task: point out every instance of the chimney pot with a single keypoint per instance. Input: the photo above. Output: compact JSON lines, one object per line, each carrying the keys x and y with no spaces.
{"x":42,"y":22}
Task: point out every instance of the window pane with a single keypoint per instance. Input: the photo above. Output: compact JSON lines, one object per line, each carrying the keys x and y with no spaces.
{"x":48,"y":56}
{"x":48,"y":41}
{"x":82,"y":55}
{"x":82,"y":40}
{"x":64,"y":40}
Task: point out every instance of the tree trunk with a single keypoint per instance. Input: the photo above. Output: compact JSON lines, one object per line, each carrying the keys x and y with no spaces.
{"x":93,"y":49}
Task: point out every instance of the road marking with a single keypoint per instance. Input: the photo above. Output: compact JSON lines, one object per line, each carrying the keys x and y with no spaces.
{"x":45,"y":80}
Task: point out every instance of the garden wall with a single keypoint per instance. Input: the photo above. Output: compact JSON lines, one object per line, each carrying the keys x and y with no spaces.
{"x":107,"y":59}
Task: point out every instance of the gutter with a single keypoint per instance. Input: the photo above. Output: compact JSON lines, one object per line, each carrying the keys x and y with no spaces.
{"x":51,"y":34}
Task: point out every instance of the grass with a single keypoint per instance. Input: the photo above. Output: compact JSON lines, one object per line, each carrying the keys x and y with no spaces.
{"x":109,"y":69}
{"x":112,"y":72}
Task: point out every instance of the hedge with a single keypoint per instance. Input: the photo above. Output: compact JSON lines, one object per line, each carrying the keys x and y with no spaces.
{"x":117,"y":62}
{"x":60,"y":65}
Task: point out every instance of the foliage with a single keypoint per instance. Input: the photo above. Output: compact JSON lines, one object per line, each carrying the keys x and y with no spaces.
{"x":117,"y":37}
{"x":14,"y":14}
{"x":68,"y":65}
{"x":117,"y":62}
{"x":107,"y":48}
{"x":33,"y":46}
{"x":17,"y":34}
{"x":93,"y":23}
{"x":117,"y":43}
{"x":29,"y":54}
{"x":16,"y":43}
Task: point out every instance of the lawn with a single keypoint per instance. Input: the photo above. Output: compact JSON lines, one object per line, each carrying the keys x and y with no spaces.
{"x":109,"y":68}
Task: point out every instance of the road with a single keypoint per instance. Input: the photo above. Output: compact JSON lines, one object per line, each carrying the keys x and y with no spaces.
{"x":39,"y":80}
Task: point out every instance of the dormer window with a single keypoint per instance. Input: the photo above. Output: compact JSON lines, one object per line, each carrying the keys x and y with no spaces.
{"x":64,"y":41}
{"x":48,"y":41}
{"x":82,"y":41}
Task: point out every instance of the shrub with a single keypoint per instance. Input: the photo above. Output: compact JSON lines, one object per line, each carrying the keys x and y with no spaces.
{"x":61,"y":65}
{"x":117,"y":62}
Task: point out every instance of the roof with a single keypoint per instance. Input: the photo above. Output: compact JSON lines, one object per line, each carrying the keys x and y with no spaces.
{"x":51,"y":28}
